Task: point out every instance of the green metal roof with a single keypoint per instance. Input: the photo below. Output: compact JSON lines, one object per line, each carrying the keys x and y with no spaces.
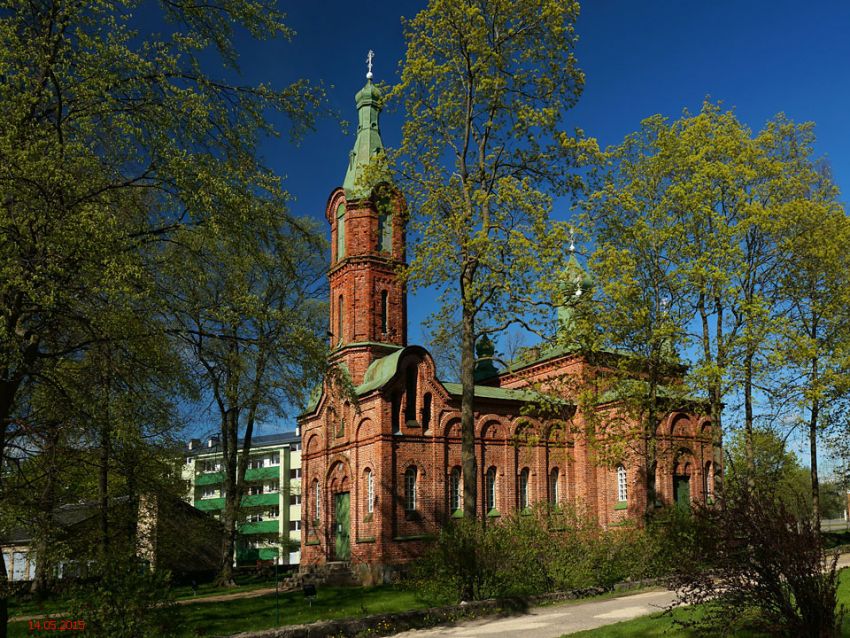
{"x":379,"y":372}
{"x":368,"y":143}
{"x":502,"y":394}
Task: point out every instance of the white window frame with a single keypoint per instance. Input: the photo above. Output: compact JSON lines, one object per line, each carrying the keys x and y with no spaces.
{"x":622,"y":484}
{"x":295,"y":526}
{"x":317,"y":496}
{"x":410,"y":475}
{"x":370,"y":491}
{"x":295,"y":499}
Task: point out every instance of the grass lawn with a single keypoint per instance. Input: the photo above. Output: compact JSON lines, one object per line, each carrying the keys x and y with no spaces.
{"x":663,"y":625}
{"x":249,"y":614}
{"x":26,"y":606}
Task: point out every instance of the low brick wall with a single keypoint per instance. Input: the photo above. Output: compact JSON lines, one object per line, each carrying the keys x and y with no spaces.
{"x":387,"y":624}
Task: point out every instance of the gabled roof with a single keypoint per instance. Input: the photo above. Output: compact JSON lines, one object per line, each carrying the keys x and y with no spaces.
{"x":381,"y":371}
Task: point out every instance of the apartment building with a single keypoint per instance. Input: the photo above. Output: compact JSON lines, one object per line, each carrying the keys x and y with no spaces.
{"x":271,"y":507}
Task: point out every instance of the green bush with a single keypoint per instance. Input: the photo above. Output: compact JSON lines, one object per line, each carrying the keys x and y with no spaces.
{"x":124,"y":599}
{"x":523,"y":555}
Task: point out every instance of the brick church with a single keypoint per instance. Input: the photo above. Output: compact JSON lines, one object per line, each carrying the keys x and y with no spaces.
{"x":381,"y":456}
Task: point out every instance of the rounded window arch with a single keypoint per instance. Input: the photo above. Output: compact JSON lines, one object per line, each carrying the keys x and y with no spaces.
{"x":410,"y":496}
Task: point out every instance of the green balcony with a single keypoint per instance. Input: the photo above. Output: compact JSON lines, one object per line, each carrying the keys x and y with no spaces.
{"x":262,"y":473}
{"x":209,"y":504}
{"x":262,"y":527}
{"x":211,"y":478}
{"x":250,"y":554}
{"x":253,"y":500}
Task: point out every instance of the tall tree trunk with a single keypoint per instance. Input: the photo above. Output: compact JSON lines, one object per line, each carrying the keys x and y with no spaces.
{"x":8,"y":390}
{"x":467,"y":406}
{"x":229,"y":432}
{"x":748,"y":424}
{"x":813,"y":445}
{"x":650,"y":446}
{"x":44,"y":517}
{"x":4,"y":597}
{"x":103,"y":488}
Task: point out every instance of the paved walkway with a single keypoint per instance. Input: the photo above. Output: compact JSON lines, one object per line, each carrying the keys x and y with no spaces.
{"x":557,"y":620}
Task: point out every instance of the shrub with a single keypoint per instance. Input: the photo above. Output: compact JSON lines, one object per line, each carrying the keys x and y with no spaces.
{"x":124,"y":599}
{"x":542,"y":552}
{"x":757,"y":560}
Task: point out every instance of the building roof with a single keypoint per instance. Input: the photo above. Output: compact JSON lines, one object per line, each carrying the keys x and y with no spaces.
{"x":264,"y":440}
{"x":64,"y":516}
{"x":500,"y":394}
{"x":368,"y":142}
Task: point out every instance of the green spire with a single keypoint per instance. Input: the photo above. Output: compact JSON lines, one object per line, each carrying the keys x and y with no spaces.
{"x":368,"y":142}
{"x":576,"y":282}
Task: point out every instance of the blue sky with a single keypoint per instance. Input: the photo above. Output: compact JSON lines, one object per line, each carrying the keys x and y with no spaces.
{"x":640,"y":58}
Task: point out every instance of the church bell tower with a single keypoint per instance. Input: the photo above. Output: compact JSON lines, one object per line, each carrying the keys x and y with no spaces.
{"x":368,"y":302}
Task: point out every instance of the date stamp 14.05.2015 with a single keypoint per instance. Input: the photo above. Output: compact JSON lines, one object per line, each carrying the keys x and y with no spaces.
{"x":56,"y":625}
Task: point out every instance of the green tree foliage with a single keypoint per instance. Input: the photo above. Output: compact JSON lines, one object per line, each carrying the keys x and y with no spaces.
{"x":776,"y":471}
{"x":485,"y":86}
{"x":247,"y":310}
{"x":112,"y":140}
{"x":814,"y":292}
{"x":704,"y":214}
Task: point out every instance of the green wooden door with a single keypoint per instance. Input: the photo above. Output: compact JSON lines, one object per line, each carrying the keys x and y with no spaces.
{"x":682,"y":490}
{"x":342,"y":540}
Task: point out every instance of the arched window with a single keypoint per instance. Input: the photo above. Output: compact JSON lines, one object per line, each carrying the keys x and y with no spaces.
{"x":426,"y":411}
{"x":554,"y":488}
{"x":622,"y":484}
{"x":370,"y":491}
{"x":395,"y":408}
{"x":340,"y":311}
{"x":491,"y":489}
{"x":340,"y":232}
{"x":454,"y":490}
{"x":523,"y":489}
{"x":385,"y":310}
{"x":317,"y":498}
{"x":708,"y":483}
{"x":410,"y":389}
{"x":410,"y":489}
